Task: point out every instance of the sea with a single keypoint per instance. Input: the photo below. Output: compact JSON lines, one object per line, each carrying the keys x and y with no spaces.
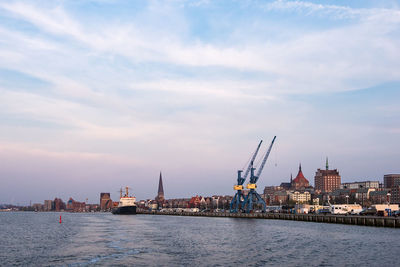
{"x":103,"y":239}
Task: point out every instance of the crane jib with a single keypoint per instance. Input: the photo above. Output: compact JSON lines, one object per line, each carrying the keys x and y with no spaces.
{"x":265,"y":158}
{"x":252,"y":160}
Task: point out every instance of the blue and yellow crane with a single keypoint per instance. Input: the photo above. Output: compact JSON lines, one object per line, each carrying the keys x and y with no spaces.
{"x":253,"y":197}
{"x":237,"y":201}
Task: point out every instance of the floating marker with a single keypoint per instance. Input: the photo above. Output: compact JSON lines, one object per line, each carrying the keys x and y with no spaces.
{"x":60,"y":219}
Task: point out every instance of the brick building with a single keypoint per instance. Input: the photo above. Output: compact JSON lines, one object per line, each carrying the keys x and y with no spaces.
{"x":105,"y":201}
{"x":75,"y":206}
{"x":391,"y":180}
{"x":327,"y":180}
{"x":300,"y":182}
{"x":58,"y":205}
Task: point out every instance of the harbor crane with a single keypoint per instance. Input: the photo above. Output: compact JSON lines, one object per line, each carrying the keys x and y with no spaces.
{"x":253,"y":197}
{"x":237,"y":201}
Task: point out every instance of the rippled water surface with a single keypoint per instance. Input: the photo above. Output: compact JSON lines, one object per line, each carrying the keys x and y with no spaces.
{"x":103,"y":239}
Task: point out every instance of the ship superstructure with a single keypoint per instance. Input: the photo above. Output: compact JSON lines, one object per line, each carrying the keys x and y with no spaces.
{"x":126,"y":203}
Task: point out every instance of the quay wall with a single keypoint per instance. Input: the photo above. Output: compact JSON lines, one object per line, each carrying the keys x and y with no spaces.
{"x":377,"y":221}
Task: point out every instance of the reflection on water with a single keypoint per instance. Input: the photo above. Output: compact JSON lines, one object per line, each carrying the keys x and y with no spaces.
{"x":142,"y":240}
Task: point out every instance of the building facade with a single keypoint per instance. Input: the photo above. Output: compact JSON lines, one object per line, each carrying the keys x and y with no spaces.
{"x":58,"y":205}
{"x":357,"y":185}
{"x":300,"y":197}
{"x":105,"y":201}
{"x":48,"y":205}
{"x":75,"y":206}
{"x":379,"y":197}
{"x":395,"y":195}
{"x":327,"y":180}
{"x":391,"y":180}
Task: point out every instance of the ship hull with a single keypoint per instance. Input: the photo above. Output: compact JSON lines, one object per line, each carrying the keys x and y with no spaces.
{"x":126,"y":210}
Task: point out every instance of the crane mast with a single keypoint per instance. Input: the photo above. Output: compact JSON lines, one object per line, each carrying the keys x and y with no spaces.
{"x":253,"y":197}
{"x":238,"y":199}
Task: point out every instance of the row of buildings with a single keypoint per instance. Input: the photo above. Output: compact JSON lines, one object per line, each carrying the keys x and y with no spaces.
{"x":329,"y":189}
{"x":59,"y":205}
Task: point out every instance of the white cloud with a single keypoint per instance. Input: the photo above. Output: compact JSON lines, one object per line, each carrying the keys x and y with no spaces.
{"x":317,"y":61}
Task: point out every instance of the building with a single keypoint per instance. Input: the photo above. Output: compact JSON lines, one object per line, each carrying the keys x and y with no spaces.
{"x":75,"y":206}
{"x":287,"y":186}
{"x":327,"y":180}
{"x":269,"y":190}
{"x":47,"y":205}
{"x":194,"y":202}
{"x":380,"y":197}
{"x":356,"y":185}
{"x":105,"y":201}
{"x":178,"y":203}
{"x":279,"y":198}
{"x":160,"y":200}
{"x":300,"y":197}
{"x":361,"y":195}
{"x":58,"y":205}
{"x":300,"y":182}
{"x":391,"y":180}
{"x":395,"y":195}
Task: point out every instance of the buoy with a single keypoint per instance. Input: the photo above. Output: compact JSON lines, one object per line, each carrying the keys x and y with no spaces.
{"x":60,"y":219}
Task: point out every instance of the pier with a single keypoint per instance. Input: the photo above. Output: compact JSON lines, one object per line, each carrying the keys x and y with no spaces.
{"x":377,"y":221}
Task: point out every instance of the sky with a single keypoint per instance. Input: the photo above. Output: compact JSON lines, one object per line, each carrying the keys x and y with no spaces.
{"x":97,"y":95}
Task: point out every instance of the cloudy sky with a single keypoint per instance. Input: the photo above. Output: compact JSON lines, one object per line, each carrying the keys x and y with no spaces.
{"x":96,"y":95}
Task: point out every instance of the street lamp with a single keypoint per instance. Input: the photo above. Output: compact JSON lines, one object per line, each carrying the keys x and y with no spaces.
{"x":388,"y":198}
{"x":347,"y":199}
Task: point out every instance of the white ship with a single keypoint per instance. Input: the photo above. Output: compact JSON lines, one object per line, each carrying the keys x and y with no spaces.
{"x":126,"y":204}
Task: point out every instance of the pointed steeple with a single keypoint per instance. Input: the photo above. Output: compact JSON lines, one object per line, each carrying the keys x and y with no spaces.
{"x":300,"y":181}
{"x":327,"y":165}
{"x":291,"y":178}
{"x":160,"y":187}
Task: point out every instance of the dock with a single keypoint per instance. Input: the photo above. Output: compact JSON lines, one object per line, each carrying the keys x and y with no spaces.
{"x":377,"y":221}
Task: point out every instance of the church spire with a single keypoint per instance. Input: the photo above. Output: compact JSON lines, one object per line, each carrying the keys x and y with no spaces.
{"x":160,"y":187}
{"x":327,"y":165}
{"x":300,"y":167}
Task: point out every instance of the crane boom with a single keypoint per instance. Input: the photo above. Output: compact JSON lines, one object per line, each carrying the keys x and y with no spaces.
{"x":265,"y":159}
{"x":251,"y":161}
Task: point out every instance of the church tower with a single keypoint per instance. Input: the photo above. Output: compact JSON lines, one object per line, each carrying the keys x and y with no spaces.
{"x":160,"y":195}
{"x":300,"y":182}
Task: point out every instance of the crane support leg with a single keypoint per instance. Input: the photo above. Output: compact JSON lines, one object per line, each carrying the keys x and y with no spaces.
{"x":253,"y":198}
{"x":237,"y":201}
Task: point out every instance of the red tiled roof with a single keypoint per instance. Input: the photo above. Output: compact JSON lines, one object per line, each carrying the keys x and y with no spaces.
{"x":300,"y":177}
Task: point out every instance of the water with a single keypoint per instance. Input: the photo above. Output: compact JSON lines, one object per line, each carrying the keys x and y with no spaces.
{"x":102,"y":239}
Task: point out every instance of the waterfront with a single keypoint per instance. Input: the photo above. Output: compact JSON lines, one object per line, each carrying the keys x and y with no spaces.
{"x":29,"y":238}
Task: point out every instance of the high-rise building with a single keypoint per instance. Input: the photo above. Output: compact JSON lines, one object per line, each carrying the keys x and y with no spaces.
{"x":327,"y":180}
{"x":160,"y":194}
{"x":105,"y":201}
{"x":391,"y":180}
